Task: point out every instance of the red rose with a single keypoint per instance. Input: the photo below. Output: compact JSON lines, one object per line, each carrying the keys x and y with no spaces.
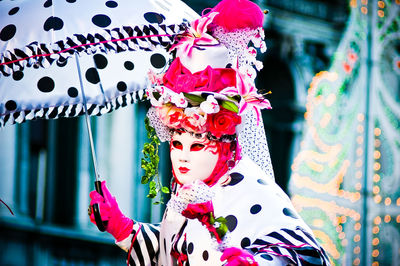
{"x":223,"y":123}
{"x":198,"y":210}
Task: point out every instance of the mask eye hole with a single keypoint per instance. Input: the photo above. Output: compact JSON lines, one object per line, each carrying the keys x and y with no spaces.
{"x":196,"y":147}
{"x":177,"y":145}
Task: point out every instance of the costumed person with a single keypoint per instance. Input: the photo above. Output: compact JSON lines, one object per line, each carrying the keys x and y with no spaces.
{"x":225,"y":208}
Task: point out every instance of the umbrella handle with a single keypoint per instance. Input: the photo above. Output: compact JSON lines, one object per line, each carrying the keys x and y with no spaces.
{"x":96,"y":209}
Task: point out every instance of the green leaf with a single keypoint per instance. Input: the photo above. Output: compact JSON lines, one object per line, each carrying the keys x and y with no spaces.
{"x":144,"y":180}
{"x":150,"y":162}
{"x":221,"y":220}
{"x":194,"y":98}
{"x":223,"y":228}
{"x":235,"y":98}
{"x":230,"y":106}
{"x":165,"y":190}
{"x":212,"y":219}
{"x":151,"y":195}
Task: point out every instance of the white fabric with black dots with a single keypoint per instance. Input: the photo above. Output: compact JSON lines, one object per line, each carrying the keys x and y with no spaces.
{"x":260,"y":219}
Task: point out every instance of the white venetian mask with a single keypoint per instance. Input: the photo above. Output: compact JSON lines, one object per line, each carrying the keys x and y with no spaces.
{"x":192,"y":158}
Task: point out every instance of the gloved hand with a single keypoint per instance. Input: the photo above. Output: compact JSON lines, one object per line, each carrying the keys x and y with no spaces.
{"x":238,"y":257}
{"x":118,"y":225}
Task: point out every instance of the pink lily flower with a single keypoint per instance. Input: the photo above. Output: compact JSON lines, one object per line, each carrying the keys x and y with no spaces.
{"x":250,"y":99}
{"x":196,"y":34}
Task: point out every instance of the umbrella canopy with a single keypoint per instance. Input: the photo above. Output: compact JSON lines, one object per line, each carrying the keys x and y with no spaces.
{"x":49,"y":50}
{"x":69,"y":58}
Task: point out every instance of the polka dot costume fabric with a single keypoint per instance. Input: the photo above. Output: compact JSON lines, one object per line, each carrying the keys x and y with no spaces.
{"x":116,"y":43}
{"x":260,"y":219}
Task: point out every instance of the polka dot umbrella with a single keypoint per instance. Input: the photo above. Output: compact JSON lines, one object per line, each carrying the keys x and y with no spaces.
{"x":67,"y":58}
{"x":114,"y":44}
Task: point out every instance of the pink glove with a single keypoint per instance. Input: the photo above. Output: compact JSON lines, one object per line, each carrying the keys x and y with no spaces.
{"x":238,"y":257}
{"x":119,"y":226}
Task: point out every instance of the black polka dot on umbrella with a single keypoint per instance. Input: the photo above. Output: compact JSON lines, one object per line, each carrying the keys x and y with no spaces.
{"x":71,"y":1}
{"x":121,"y":86}
{"x":13,"y":11}
{"x":8,"y":32}
{"x":101,"y":20}
{"x":48,"y":3}
{"x":53,"y":23}
{"x":11,"y":105}
{"x":235,"y":178}
{"x":62,"y":62}
{"x":228,"y":65}
{"x":100,"y":61}
{"x":111,"y":4}
{"x":245,"y":242}
{"x":231,"y":222}
{"x":72,"y":92}
{"x":165,"y":245}
{"x":153,"y":17}
{"x":261,"y":181}
{"x":46,"y":84}
{"x":18,"y":75}
{"x":129,"y":65}
{"x":205,"y":255}
{"x":190,"y":248}
{"x":92,"y":75}
{"x":172,"y":238}
{"x":266,"y":257}
{"x":158,"y":60}
{"x":255,"y":209}
{"x":290,"y":213}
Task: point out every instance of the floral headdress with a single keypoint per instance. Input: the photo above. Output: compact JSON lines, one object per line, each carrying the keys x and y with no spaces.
{"x":209,"y":87}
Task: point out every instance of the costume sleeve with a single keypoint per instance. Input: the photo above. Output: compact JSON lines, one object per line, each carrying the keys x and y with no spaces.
{"x":293,"y":246}
{"x":142,"y":243}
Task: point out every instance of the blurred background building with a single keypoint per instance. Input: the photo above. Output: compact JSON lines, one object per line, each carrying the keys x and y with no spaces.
{"x":334,"y":135}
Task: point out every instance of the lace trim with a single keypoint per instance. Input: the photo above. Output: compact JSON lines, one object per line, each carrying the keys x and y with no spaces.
{"x":253,"y":142}
{"x":196,"y":192}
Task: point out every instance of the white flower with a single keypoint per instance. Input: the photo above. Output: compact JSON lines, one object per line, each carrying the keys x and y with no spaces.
{"x":249,"y":71}
{"x":263,"y":47}
{"x":179,"y":100}
{"x":252,"y":52}
{"x":162,"y":91}
{"x":190,"y":111}
{"x":259,"y":65}
{"x":210,"y":106}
